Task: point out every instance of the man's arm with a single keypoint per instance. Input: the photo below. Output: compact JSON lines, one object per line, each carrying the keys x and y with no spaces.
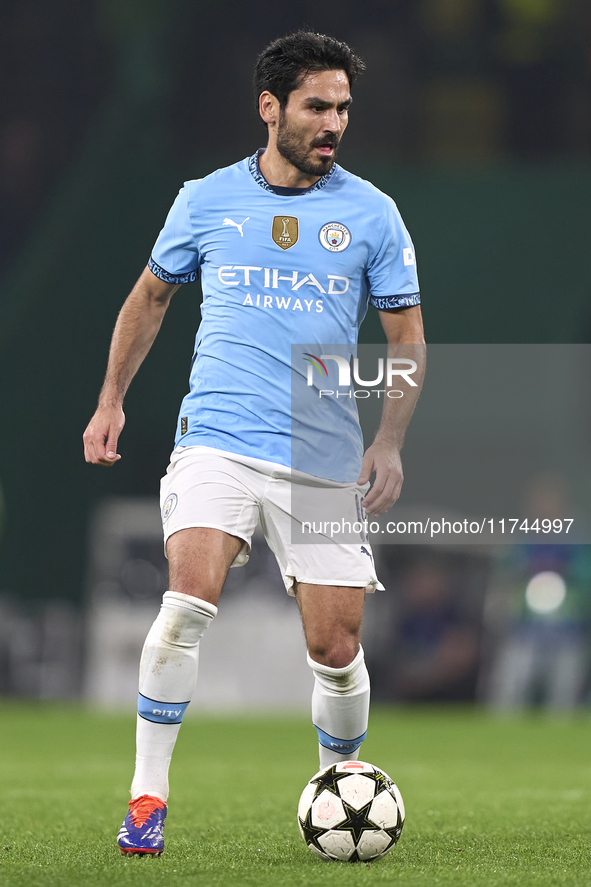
{"x":136,"y":328}
{"x":403,"y":327}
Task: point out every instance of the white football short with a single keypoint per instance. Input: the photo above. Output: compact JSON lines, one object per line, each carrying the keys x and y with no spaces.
{"x":207,"y":487}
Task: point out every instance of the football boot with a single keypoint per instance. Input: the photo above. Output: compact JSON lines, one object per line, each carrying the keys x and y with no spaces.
{"x":142,"y":830}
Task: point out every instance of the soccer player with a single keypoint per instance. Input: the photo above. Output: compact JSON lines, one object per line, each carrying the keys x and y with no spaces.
{"x":290,"y":249}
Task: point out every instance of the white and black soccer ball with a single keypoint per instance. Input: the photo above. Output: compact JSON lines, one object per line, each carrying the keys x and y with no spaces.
{"x":351,"y":812}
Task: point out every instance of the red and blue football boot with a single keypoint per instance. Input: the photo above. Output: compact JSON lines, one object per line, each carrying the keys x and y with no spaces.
{"x":143,"y":827}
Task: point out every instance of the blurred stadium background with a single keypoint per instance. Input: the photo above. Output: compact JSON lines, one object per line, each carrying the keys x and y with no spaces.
{"x":475,"y":115}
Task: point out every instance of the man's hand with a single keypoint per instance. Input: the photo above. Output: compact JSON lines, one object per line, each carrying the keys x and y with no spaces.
{"x":102,"y":434}
{"x":384,"y":460}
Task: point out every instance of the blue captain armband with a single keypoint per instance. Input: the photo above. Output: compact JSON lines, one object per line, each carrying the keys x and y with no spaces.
{"x":402,"y":301}
{"x":160,"y":712}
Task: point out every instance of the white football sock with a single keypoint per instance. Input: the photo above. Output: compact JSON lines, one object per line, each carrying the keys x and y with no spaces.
{"x":340,"y":709}
{"x":168,"y":672}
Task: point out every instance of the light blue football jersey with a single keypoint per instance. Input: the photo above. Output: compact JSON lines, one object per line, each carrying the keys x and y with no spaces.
{"x":279,"y":267}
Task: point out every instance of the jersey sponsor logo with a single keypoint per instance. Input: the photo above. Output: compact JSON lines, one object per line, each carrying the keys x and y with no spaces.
{"x":284,"y":303}
{"x":285,"y":231}
{"x":184,"y":424}
{"x":169,"y":506}
{"x":408,"y":255}
{"x":269,"y":278}
{"x":236,"y":224}
{"x":334,"y":237}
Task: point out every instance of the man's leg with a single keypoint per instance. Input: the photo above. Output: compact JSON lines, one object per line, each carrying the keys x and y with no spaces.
{"x":340,"y":702}
{"x":199,"y":559}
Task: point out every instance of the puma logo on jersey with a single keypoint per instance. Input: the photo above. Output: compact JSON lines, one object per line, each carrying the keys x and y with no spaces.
{"x":236,"y":225}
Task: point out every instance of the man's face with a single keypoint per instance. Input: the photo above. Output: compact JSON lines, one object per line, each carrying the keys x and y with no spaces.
{"x":313,"y":121}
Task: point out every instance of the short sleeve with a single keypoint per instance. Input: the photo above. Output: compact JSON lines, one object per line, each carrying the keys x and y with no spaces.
{"x":392,"y":271}
{"x":175,"y":257}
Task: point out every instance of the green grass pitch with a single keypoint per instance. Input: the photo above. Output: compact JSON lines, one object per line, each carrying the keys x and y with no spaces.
{"x":489,"y":802}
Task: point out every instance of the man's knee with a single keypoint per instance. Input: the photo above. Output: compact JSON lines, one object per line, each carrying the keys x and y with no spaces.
{"x":336,"y":650}
{"x":203,"y":587}
{"x":332,"y":622}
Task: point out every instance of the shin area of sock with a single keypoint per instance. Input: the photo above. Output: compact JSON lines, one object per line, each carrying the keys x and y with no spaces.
{"x":168,"y":672}
{"x":340,"y":709}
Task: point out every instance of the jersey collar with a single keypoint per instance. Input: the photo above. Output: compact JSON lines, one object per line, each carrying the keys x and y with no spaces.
{"x":255,"y":171}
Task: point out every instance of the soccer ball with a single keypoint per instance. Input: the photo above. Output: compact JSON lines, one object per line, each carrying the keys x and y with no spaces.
{"x":350,"y":812}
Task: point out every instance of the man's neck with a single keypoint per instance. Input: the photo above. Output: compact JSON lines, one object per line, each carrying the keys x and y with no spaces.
{"x":280,"y":172}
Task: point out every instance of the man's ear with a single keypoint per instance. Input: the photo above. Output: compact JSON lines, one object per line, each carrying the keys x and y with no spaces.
{"x":269,"y":108}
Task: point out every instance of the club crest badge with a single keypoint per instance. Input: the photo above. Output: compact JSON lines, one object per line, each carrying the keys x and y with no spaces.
{"x":285,"y":231}
{"x":169,"y":506}
{"x":334,"y":237}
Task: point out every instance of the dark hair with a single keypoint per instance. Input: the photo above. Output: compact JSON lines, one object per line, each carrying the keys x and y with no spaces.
{"x":281,"y":67}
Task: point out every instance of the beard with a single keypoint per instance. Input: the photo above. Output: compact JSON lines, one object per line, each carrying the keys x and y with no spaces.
{"x":292,"y":147}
